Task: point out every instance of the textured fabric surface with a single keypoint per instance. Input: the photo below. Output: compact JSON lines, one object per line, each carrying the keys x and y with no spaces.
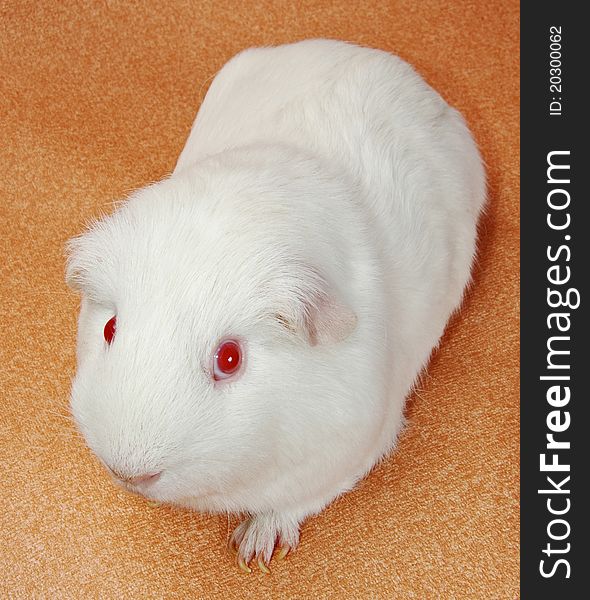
{"x":96,"y":99}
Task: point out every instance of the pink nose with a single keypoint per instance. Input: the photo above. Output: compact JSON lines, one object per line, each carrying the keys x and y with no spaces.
{"x":143,"y":479}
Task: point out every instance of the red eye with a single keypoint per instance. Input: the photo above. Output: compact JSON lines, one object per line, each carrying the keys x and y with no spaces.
{"x":109,"y":329}
{"x":227,"y":360}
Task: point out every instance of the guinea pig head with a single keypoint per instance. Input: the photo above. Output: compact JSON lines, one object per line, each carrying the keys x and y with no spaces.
{"x":203,"y":309}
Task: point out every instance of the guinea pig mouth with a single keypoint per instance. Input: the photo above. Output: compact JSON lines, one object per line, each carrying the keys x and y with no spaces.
{"x":134,"y":489}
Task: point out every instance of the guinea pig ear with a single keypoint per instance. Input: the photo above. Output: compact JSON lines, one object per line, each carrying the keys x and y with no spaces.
{"x":320,"y":317}
{"x":92,"y":258}
{"x":74,"y":273}
{"x":80,"y":262}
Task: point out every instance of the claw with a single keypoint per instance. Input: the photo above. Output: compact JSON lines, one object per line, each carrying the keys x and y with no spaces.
{"x":283,"y":551}
{"x":154,"y":503}
{"x":262,"y":566}
{"x":242,"y":564}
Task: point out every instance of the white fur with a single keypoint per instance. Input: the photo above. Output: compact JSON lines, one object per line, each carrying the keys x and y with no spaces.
{"x":323,"y":182}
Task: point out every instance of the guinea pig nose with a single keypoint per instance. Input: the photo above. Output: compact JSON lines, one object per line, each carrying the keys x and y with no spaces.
{"x":143,"y":479}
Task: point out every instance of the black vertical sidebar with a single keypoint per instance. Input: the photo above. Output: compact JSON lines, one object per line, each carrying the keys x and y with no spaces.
{"x":555,"y":263}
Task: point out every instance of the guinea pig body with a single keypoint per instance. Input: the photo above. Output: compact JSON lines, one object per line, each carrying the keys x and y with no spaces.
{"x":322,"y":214}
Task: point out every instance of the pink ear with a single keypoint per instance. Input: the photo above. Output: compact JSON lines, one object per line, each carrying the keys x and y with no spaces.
{"x":314,"y":311}
{"x":327,"y":321}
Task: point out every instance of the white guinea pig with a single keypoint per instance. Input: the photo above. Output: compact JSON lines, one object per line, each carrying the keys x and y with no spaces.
{"x":251,"y":325}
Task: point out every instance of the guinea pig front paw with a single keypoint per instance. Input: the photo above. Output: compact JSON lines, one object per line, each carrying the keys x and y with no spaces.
{"x":257,"y":538}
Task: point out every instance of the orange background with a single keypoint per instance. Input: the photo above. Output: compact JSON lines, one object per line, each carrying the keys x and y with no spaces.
{"x":96,"y":99}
